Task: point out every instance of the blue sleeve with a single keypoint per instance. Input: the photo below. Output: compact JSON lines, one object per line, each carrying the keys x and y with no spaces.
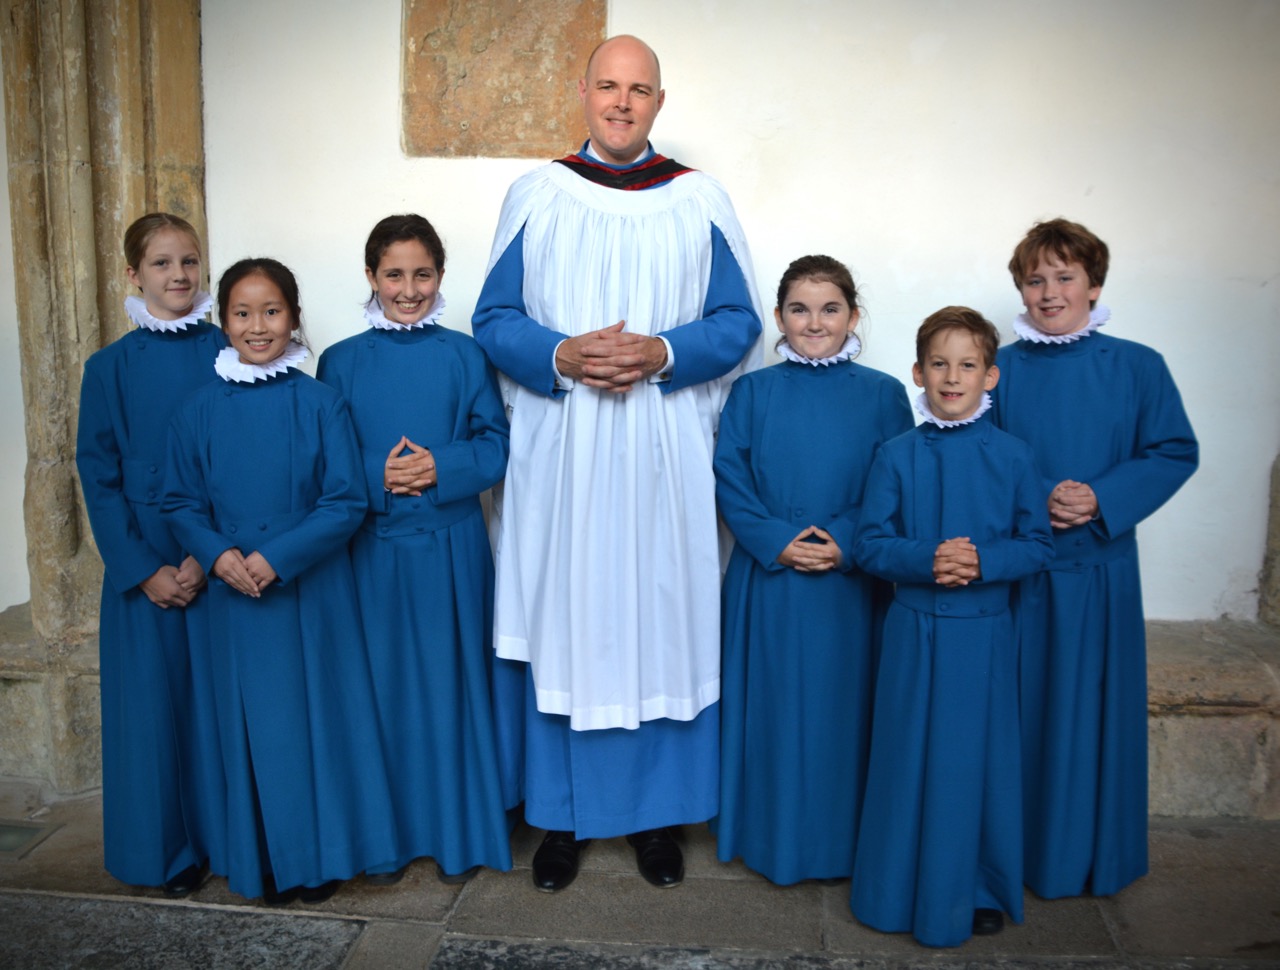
{"x":468,"y":466}
{"x":1165,"y":454}
{"x":186,"y":499}
{"x":127,"y":556}
{"x":713,"y":345}
{"x":762,"y":534}
{"x":518,"y":345}
{"x":892,"y":418}
{"x":335,"y":369}
{"x":1030,"y":547}
{"x":338,"y":511}
{"x":881,"y":546}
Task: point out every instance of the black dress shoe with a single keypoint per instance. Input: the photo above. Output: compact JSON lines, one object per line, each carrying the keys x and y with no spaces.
{"x":658,"y":857}
{"x":318,"y":894}
{"x":555,"y":864}
{"x":987,"y":922}
{"x":274,"y":897}
{"x":186,"y":882}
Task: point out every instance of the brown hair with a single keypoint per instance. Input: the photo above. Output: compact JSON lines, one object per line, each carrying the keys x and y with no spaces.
{"x":823,"y":269}
{"x":1069,"y":241}
{"x":394,"y":229}
{"x":958,"y":318}
{"x":138,"y":235}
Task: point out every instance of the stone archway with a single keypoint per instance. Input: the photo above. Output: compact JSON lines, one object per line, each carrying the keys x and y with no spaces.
{"x":103,"y":115}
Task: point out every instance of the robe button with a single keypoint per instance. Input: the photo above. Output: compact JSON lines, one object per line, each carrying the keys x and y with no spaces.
{"x":262,"y":527}
{"x":944,"y":607}
{"x":1079,"y":542}
{"x":982,"y":611}
{"x":232,"y":529}
{"x":382,"y":531}
{"x":151,"y":493}
{"x":372,"y":343}
{"x":415,"y":505}
{"x":422,"y":528}
{"x":153,"y":469}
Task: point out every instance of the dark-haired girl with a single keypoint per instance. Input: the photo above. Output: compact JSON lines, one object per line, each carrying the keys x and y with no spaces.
{"x":433,"y":437}
{"x":264,"y":487}
{"x":796,"y":441}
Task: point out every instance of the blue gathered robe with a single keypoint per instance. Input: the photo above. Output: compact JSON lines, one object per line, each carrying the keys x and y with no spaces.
{"x":941,"y":831}
{"x":799,"y":649}
{"x":161,"y":797}
{"x":273,"y":467}
{"x":633,"y":769}
{"x":424,"y":576}
{"x":1105,"y":412}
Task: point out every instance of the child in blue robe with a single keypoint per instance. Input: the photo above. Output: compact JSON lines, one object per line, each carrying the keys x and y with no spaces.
{"x":433,"y":436}
{"x":1109,"y":432}
{"x":264,"y":485}
{"x":799,"y":618}
{"x":954,"y":512}
{"x":160,"y":797}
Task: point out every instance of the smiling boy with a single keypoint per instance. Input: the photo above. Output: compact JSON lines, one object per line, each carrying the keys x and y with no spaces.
{"x":1109,"y":432}
{"x":954,"y":511}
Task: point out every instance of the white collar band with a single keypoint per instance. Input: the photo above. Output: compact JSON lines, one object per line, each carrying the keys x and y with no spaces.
{"x":852,"y":347}
{"x":231,"y":368}
{"x":376,"y":317}
{"x":922,"y":407}
{"x":136,"y":307}
{"x":1026,"y":330}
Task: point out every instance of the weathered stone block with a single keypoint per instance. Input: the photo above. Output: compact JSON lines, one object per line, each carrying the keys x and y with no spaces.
{"x":23,"y":721}
{"x":496,"y":79}
{"x":75,"y":732}
{"x":1207,"y":766}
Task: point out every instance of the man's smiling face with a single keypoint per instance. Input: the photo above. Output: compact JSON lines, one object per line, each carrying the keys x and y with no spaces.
{"x":621,"y":96}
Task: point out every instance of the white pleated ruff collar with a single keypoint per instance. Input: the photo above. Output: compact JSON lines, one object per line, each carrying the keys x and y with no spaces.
{"x":136,"y":307}
{"x":852,"y":347}
{"x":376,"y":317}
{"x":231,"y":368}
{"x":922,"y":408}
{"x":1026,"y":330}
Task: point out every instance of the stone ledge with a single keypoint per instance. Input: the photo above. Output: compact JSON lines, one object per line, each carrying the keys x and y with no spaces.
{"x":1212,"y":668}
{"x":1213,"y":715}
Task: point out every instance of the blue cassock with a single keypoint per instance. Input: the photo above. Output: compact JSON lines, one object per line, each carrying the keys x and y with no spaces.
{"x":424,"y":575}
{"x":608,"y":782}
{"x":161,"y":805}
{"x":1104,"y":412}
{"x":273,"y":467}
{"x":794,"y":448}
{"x":941,"y":830}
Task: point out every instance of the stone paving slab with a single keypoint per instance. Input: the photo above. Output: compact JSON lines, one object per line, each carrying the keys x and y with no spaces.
{"x":470,"y":954}
{"x":608,"y":907}
{"x":41,"y":932}
{"x":1059,"y":929}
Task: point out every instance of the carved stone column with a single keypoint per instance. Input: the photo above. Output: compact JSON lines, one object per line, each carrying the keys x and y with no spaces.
{"x":103,"y":115}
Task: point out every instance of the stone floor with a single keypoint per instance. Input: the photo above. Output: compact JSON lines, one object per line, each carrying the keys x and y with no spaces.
{"x":1212,"y":900}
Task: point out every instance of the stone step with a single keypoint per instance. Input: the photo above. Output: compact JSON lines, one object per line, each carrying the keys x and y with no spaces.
{"x":1214,"y":719}
{"x":1213,"y":701}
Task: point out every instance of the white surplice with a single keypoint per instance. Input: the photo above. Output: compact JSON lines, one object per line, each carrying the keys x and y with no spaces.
{"x":608,"y":564}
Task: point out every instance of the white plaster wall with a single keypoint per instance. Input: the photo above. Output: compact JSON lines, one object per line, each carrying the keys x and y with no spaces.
{"x":15,"y":584}
{"x":917,"y":141}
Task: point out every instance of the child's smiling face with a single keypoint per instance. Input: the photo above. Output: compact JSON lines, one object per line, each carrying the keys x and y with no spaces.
{"x":816,"y":318}
{"x":168,"y":274}
{"x":406,"y":281}
{"x":1058,"y":296}
{"x":259,"y":322}
{"x":954,"y":374}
